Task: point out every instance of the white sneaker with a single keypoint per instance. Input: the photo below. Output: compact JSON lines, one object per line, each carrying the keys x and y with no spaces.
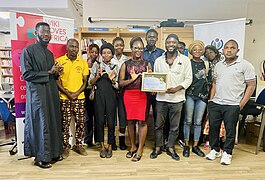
{"x":213,"y":155}
{"x":226,"y":159}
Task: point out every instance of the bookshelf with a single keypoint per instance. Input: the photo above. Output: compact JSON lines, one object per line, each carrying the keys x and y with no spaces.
{"x":6,"y":75}
{"x":87,"y":35}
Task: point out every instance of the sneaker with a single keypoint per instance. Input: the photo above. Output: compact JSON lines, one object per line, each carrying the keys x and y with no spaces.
{"x":226,"y":159}
{"x":181,"y":143}
{"x":213,"y":155}
{"x":80,"y":150}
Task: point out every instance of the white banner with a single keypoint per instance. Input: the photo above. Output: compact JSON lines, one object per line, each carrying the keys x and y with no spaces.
{"x":218,"y":33}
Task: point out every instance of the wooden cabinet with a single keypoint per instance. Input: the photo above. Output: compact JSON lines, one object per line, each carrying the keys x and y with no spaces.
{"x":6,"y":75}
{"x":88,"y":35}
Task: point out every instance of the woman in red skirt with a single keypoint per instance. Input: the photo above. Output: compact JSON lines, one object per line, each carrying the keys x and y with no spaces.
{"x":135,"y":100}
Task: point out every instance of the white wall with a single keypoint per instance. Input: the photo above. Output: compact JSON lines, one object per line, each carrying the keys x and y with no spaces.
{"x":157,"y":9}
{"x":255,"y":38}
{"x":5,"y":40}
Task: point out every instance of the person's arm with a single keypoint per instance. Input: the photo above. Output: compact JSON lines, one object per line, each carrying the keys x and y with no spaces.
{"x":64,"y":91}
{"x":251,"y":85}
{"x":213,"y":89}
{"x":94,"y":75}
{"x":81,"y":89}
{"x":28,"y":73}
{"x":122,"y":81}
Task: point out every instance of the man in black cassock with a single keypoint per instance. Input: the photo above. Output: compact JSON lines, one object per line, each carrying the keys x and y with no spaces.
{"x":43,"y":129}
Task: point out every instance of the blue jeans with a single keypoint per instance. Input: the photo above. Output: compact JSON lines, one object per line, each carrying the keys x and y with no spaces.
{"x":194,"y":109}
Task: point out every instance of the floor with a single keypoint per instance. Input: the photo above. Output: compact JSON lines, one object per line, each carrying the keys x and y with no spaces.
{"x":245,"y":165}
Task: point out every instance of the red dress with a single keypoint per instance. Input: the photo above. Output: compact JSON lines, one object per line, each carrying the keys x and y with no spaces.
{"x":135,"y":100}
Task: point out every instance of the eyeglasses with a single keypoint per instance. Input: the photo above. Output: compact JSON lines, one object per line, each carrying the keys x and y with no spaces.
{"x":138,"y":49}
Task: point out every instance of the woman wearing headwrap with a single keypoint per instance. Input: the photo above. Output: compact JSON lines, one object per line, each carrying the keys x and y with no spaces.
{"x":196,"y":98}
{"x":103,"y":76}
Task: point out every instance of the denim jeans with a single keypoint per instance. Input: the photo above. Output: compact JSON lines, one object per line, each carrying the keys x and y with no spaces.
{"x":173,"y":112}
{"x":194,"y":109}
{"x":230,"y":115}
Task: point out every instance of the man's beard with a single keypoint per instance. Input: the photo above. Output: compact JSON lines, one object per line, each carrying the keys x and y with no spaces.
{"x":172,"y":52}
{"x":41,"y":41}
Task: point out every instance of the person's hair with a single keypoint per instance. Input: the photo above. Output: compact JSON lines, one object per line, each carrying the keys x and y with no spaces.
{"x":173,"y":36}
{"x":41,"y":24}
{"x":117,"y":39}
{"x":71,"y":40}
{"x":218,"y":55}
{"x":232,"y":40}
{"x":152,"y":30}
{"x":107,"y":46}
{"x":135,"y":39}
{"x":91,"y":46}
{"x":182,"y":43}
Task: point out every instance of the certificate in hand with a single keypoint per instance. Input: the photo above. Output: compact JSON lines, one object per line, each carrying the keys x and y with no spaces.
{"x":154,"y":82}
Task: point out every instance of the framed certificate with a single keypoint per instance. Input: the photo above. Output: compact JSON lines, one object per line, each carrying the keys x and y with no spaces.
{"x":154,"y":82}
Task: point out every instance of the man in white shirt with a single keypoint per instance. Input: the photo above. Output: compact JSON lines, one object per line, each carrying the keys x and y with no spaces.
{"x":169,"y":103}
{"x":233,"y":84}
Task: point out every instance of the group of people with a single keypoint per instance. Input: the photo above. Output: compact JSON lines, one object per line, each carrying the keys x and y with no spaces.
{"x":96,"y":91}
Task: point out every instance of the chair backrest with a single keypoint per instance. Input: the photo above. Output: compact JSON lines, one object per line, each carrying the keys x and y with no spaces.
{"x":5,"y":114}
{"x":261,"y":97}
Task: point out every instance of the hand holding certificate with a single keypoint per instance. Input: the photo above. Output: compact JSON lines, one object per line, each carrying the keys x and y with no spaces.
{"x":154,"y":82}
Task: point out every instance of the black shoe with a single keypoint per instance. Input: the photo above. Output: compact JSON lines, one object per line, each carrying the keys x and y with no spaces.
{"x":173,"y":154}
{"x":155,"y":153}
{"x":186,"y":151}
{"x":197,"y":151}
{"x":163,"y":148}
{"x":122,"y":143}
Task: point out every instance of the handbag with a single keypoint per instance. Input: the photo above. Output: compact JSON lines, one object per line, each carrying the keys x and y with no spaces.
{"x":92,"y":93}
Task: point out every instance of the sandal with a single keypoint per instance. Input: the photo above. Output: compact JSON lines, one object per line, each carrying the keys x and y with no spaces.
{"x":109,"y":154}
{"x":136,"y":158}
{"x":103,"y":153}
{"x":42,"y":164}
{"x":130,"y":153}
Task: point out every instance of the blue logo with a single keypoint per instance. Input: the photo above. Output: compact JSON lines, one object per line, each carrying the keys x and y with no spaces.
{"x":217,"y":43}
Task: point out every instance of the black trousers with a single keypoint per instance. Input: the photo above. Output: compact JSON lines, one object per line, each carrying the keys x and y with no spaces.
{"x":230,"y":115}
{"x":105,"y":109}
{"x":90,"y":130}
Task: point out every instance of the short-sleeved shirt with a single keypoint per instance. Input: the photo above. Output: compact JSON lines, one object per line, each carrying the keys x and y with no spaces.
{"x":108,"y":68}
{"x":231,"y":81}
{"x":72,"y":76}
{"x":180,"y":73}
{"x":151,"y":56}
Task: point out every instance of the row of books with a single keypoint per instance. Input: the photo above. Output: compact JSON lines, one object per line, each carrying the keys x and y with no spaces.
{"x":86,"y":42}
{"x":6,"y":63}
{"x":6,"y":71}
{"x":5,"y":54}
{"x":8,"y":80}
